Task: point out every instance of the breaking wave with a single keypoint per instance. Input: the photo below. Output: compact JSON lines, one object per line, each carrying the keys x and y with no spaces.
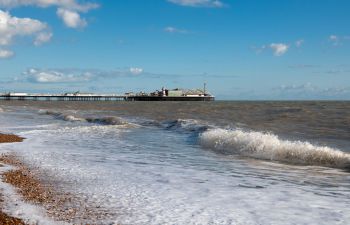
{"x":187,"y":125}
{"x":270,"y":147}
{"x":112,"y":120}
{"x":107,"y":120}
{"x":62,"y":116}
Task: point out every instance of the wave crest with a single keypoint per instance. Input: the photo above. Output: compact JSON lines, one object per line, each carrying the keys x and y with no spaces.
{"x":269,"y":147}
{"x":62,"y":116}
{"x":112,"y":120}
{"x":186,"y":124}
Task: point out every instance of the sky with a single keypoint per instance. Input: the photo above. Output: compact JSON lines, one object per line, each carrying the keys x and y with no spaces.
{"x":242,"y":49}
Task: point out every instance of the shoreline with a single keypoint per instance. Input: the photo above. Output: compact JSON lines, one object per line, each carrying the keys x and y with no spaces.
{"x":31,"y":189}
{"x":5,"y":218}
{"x":58,"y":206}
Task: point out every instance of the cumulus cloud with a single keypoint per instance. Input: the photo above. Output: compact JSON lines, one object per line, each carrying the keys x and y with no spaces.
{"x":71,"y":18}
{"x":175,"y":30}
{"x":4,"y":54}
{"x":12,"y":27}
{"x":135,"y":70}
{"x":199,"y":3}
{"x":67,"y":4}
{"x":279,"y":49}
{"x":68,"y":10}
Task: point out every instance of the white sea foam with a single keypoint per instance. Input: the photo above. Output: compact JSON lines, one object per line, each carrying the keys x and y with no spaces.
{"x":15,"y":206}
{"x":270,"y":147}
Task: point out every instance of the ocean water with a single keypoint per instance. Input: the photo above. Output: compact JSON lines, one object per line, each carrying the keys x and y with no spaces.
{"x":192,"y":163}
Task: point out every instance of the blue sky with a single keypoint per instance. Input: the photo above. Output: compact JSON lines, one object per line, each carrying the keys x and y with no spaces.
{"x":243,"y":49}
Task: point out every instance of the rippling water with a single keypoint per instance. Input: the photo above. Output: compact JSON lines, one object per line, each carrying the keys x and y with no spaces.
{"x":193,"y":162}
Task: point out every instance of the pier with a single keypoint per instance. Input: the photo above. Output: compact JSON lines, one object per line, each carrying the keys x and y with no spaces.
{"x":62,"y":97}
{"x":163,"y":95}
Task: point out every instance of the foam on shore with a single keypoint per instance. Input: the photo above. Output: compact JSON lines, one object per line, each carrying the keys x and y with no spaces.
{"x":15,"y":206}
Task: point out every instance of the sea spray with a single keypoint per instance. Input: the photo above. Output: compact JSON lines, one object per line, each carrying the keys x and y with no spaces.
{"x":268,"y":146}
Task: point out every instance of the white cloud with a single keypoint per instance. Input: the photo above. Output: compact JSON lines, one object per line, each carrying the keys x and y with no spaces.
{"x":56,"y":76}
{"x":4,"y":54}
{"x":70,"y":18}
{"x":42,"y":38}
{"x":299,"y":43}
{"x":279,"y":49}
{"x":199,"y":3}
{"x":46,"y":76}
{"x":135,"y":70}
{"x":175,"y":30}
{"x":67,"y":4}
{"x":68,"y":10}
{"x":12,"y":27}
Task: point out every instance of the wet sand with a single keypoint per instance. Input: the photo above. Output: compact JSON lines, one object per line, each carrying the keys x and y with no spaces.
{"x":8,"y":138}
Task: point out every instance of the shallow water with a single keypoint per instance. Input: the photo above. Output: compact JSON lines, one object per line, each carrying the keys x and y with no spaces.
{"x":193,"y":163}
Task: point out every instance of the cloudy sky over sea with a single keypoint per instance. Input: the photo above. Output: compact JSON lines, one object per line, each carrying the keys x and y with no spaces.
{"x":243,"y":49}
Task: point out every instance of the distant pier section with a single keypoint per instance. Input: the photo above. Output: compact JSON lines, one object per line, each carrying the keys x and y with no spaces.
{"x":62,"y":97}
{"x":163,"y":95}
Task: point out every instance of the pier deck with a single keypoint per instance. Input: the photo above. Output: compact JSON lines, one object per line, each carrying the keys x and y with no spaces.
{"x":98,"y":97}
{"x":62,"y":97}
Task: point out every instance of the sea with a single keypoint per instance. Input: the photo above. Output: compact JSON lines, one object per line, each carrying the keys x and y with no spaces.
{"x":222,"y":162}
